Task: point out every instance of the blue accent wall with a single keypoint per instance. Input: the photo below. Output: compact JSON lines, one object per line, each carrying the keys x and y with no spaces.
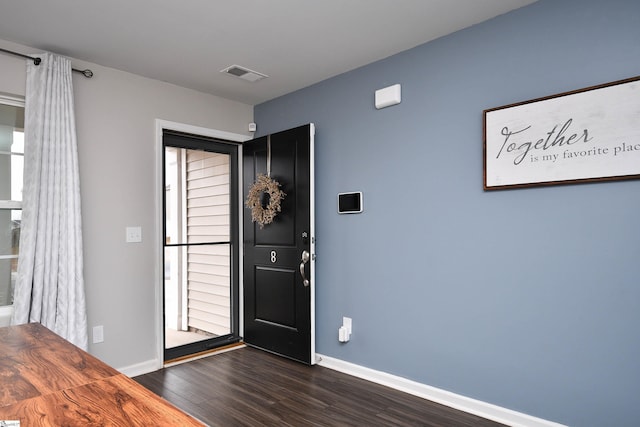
{"x":528,"y":299}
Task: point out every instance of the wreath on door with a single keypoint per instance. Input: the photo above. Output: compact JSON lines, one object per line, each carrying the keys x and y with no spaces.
{"x":265,"y":187}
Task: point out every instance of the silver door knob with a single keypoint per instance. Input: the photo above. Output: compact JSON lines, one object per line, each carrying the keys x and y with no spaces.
{"x":305,"y":259}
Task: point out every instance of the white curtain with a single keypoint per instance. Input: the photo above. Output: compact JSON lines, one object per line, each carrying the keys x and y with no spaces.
{"x":50,"y":284}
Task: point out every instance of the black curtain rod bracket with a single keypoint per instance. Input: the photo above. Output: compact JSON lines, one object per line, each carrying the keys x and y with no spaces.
{"x":87,"y":73}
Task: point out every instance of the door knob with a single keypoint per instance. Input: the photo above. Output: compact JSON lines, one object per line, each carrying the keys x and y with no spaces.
{"x":305,"y":259}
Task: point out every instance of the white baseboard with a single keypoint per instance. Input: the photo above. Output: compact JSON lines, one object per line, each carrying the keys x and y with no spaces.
{"x":141,"y":368}
{"x":443,"y":397}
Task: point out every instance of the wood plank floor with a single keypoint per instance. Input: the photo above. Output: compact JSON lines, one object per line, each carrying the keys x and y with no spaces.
{"x":249,"y":387}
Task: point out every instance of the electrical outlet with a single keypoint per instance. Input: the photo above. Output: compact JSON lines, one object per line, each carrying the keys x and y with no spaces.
{"x":134,"y":234}
{"x":98,"y":334}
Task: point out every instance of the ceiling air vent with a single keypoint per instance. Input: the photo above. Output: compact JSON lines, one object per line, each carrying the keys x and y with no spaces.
{"x":244,"y":73}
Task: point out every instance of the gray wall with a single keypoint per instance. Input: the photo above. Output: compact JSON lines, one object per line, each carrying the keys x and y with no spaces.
{"x":528,"y":299}
{"x":115,"y":120}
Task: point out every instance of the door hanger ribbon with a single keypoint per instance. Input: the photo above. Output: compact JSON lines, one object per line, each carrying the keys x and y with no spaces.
{"x":268,"y":156}
{"x":264,"y":215}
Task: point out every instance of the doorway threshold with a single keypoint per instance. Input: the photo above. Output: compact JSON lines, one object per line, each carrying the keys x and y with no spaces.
{"x":174,"y":338}
{"x":202,"y":354}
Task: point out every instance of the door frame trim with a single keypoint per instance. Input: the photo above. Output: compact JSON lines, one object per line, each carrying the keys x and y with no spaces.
{"x":160,"y":127}
{"x":312,"y":231}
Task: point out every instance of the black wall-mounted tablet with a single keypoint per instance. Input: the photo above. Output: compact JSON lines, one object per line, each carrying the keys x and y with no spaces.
{"x":350,"y":202}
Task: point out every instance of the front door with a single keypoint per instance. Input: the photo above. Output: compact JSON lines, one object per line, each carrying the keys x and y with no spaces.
{"x":279,"y":256}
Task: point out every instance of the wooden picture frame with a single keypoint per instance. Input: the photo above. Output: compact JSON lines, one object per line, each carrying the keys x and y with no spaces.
{"x":585,"y":135}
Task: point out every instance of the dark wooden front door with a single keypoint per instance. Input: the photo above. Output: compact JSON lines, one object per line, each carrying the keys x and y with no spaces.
{"x":279,"y":257}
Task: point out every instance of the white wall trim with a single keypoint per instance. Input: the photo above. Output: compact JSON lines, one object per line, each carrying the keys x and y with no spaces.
{"x":16,"y":101}
{"x":197,"y":130}
{"x":161,"y":125}
{"x":456,"y":401}
{"x":6,"y":311}
{"x":141,"y":368}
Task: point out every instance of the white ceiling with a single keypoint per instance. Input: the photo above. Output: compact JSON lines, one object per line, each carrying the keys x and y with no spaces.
{"x":295,"y":42}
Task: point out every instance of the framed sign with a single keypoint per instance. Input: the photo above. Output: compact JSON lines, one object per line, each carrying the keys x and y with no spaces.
{"x":585,"y":135}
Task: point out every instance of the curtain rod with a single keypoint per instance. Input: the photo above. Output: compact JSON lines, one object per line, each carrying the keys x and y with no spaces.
{"x":87,"y":73}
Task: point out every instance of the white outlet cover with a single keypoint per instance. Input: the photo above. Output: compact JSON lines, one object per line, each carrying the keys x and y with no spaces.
{"x":134,"y":234}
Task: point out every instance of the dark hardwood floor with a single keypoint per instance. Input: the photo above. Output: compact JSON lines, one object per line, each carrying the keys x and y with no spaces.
{"x":249,"y":387}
